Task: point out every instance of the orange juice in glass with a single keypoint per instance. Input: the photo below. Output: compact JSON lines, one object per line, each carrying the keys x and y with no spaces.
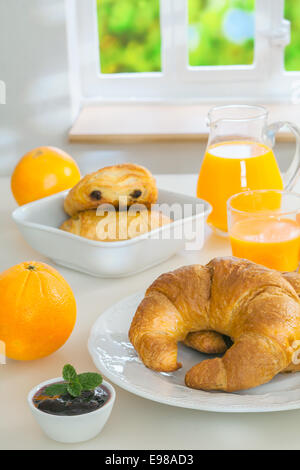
{"x":264,"y":228}
{"x":239,"y":157}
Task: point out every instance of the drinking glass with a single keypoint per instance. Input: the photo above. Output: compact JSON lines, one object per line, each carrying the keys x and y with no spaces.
{"x":264,"y":227}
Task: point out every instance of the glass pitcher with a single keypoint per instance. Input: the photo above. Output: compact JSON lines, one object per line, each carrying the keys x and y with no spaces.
{"x":239,"y":157}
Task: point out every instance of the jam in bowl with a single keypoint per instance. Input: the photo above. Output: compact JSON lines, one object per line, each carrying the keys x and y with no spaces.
{"x":69,"y":419}
{"x":66,"y":405}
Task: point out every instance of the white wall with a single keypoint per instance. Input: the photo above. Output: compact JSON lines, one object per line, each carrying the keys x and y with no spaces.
{"x":33,"y":63}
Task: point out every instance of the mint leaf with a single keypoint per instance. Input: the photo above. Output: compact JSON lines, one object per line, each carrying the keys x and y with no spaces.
{"x":75,"y":384}
{"x":69,"y":373}
{"x":56,"y":389}
{"x":89,"y":380}
{"x":74,"y":389}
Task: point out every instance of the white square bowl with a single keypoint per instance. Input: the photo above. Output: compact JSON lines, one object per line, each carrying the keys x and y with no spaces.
{"x":39,"y":221}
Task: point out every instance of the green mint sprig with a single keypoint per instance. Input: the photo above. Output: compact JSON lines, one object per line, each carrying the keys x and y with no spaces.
{"x":74,"y":384}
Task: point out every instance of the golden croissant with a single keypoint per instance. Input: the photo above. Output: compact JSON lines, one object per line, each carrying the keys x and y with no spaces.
{"x":256,"y":307}
{"x":119,"y":185}
{"x":211,"y":342}
{"x":114,"y":226}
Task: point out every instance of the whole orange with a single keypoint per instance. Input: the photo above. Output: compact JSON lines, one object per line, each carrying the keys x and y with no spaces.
{"x":37,"y":311}
{"x":42,"y":172}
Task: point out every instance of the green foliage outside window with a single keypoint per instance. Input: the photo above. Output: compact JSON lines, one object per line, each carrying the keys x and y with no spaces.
{"x":129,"y":32}
{"x":220,"y":32}
{"x":292,"y":52}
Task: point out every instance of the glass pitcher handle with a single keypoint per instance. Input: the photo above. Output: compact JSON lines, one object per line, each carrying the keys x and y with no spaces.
{"x":291,"y":176}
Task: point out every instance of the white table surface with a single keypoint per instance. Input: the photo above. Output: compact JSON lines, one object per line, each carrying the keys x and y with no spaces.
{"x":135,"y":423}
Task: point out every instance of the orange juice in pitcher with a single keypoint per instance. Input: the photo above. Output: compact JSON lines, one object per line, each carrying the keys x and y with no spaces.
{"x":239,"y":157}
{"x":231,"y":167}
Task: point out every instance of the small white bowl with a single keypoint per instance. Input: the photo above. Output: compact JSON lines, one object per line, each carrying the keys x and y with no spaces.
{"x":72,"y":429}
{"x":39,"y":224}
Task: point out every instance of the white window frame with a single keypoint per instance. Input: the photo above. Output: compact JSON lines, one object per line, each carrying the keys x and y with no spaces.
{"x":265,"y":81}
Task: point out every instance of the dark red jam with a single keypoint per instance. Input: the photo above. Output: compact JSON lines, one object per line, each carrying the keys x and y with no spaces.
{"x":66,"y":405}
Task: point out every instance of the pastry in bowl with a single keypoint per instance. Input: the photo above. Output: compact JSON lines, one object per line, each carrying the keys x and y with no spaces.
{"x":120,"y":185}
{"x":258,"y":308}
{"x":112,"y":226}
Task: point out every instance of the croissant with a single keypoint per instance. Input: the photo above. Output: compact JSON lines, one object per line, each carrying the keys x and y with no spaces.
{"x":211,"y":342}
{"x":131,"y":183}
{"x":256,"y":307}
{"x":207,"y":342}
{"x":114,"y":226}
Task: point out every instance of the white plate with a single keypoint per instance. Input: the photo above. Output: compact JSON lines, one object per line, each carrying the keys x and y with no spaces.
{"x":115,"y":357}
{"x":39,"y":223}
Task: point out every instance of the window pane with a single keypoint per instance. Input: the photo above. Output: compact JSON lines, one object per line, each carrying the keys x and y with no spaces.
{"x":221,"y":32}
{"x":129,"y":34}
{"x":292,"y":52}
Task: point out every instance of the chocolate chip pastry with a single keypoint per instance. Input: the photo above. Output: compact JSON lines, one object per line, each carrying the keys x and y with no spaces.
{"x":115,"y":225}
{"x":119,"y":185}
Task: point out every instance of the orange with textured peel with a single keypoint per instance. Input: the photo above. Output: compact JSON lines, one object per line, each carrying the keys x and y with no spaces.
{"x":37,"y":311}
{"x":42,"y":172}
